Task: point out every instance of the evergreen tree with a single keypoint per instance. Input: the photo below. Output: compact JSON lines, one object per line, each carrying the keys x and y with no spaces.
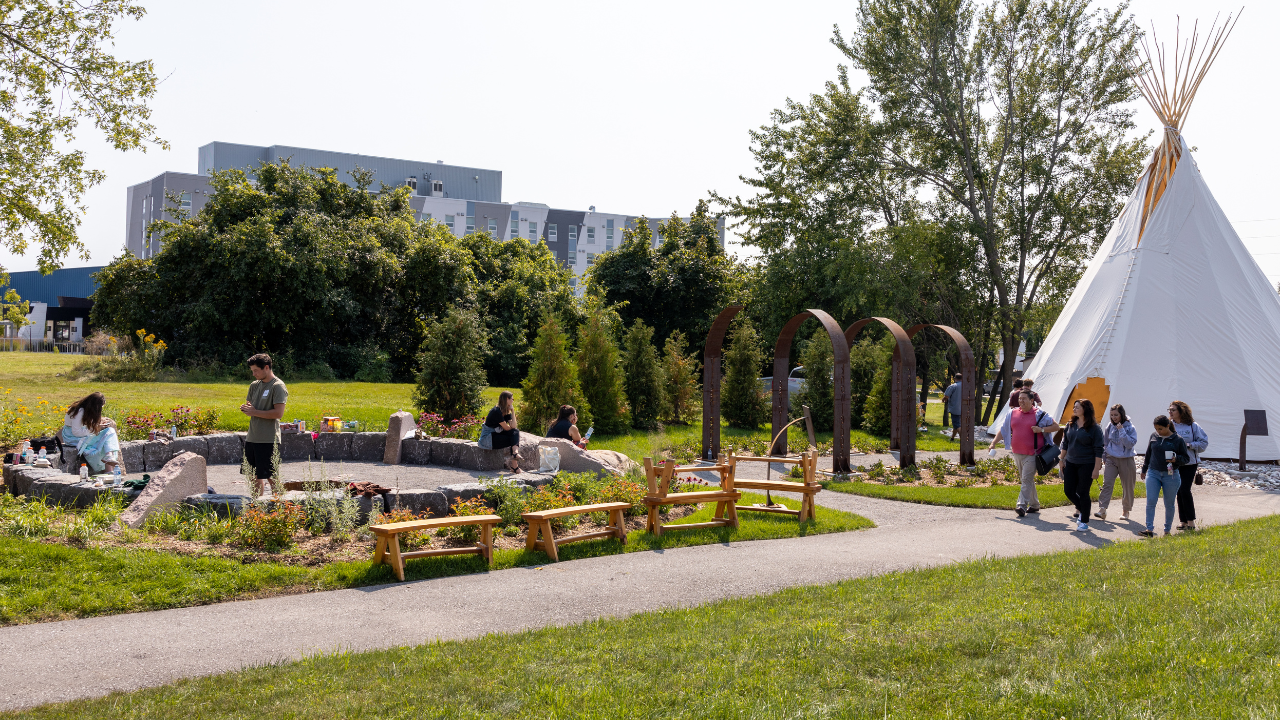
{"x":681,"y":370}
{"x":865,"y":358}
{"x":452,"y":378}
{"x":599,"y":371}
{"x":877,"y":415}
{"x":552,"y":380}
{"x":819,"y":387}
{"x":642,"y":375}
{"x":743,"y":402}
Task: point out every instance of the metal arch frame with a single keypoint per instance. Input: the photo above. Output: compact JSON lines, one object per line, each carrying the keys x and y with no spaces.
{"x":968,"y":387}
{"x":902,"y":433}
{"x":711,"y":371}
{"x":840,"y":369}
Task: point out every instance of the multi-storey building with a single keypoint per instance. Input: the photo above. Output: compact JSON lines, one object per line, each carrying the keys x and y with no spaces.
{"x":465,"y":199}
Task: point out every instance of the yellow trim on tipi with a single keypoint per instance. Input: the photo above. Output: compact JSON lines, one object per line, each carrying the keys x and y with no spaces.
{"x":1095,"y":390}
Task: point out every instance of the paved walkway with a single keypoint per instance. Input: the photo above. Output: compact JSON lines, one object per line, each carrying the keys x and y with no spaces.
{"x":86,"y":658}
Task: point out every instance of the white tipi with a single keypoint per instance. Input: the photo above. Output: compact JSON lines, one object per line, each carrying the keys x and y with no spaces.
{"x":1172,"y":306}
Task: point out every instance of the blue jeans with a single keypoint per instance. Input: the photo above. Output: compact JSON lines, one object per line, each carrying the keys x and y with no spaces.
{"x":1157,"y":480}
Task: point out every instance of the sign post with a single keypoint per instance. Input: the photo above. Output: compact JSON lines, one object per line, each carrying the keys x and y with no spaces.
{"x":1255,"y":423}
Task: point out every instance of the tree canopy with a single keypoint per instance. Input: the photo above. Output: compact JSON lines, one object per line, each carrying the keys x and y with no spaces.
{"x":56,"y":70}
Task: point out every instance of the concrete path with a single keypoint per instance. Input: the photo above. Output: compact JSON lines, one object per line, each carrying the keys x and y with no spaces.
{"x":86,"y":658}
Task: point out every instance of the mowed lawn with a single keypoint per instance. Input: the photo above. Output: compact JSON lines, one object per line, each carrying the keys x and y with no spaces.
{"x":33,"y":375}
{"x":40,"y":582}
{"x":1180,"y":627}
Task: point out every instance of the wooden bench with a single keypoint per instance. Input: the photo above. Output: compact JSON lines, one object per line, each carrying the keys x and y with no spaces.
{"x":541,"y":521}
{"x":659,"y":495}
{"x":389,"y":540}
{"x":806,"y":488}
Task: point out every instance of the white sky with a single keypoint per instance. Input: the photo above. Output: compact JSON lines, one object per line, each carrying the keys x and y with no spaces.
{"x":637,"y":108}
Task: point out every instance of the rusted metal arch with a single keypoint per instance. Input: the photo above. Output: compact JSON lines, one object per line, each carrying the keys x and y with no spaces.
{"x":968,"y":381}
{"x":902,"y":434}
{"x":711,"y":356}
{"x":840,"y":369}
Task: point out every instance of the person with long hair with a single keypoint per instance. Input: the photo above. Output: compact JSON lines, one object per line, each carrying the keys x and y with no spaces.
{"x":1197,"y":441}
{"x":1166,"y":452}
{"x":566,"y":427}
{"x":499,"y":429}
{"x":1118,"y":440}
{"x":92,"y":435}
{"x":1082,"y":445}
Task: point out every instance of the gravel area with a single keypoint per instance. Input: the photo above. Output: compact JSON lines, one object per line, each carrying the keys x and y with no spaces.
{"x":1228,"y":474}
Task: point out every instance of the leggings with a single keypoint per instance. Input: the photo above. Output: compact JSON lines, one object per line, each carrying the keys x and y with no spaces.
{"x":1077,"y":481}
{"x":506,"y":439}
{"x":1186,"y":505}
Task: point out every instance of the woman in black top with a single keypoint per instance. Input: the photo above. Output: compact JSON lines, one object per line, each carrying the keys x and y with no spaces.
{"x":499,"y":429}
{"x":1166,"y":452}
{"x":1082,"y":447}
{"x":566,"y":427}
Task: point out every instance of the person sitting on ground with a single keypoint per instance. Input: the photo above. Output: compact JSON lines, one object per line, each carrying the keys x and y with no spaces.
{"x":93,"y":436}
{"x":566,"y":427}
{"x":951,"y":399}
{"x":499,"y":429}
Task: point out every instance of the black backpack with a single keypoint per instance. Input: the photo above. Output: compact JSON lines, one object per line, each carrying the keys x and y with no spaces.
{"x":52,"y":445}
{"x":1046,"y":457}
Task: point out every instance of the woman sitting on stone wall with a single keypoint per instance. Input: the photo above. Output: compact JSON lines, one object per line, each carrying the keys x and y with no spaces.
{"x":93,"y":436}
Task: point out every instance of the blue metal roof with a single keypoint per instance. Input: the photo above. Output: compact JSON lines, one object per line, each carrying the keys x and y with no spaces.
{"x":68,"y":282}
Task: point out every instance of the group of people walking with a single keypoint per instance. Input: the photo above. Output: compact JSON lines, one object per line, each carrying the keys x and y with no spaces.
{"x":1089,"y":448}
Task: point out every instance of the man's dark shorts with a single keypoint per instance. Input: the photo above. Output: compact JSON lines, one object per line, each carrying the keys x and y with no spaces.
{"x":955,"y":420}
{"x":259,"y":456}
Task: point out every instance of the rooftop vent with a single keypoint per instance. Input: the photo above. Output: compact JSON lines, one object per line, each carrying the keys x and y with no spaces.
{"x":412,"y":182}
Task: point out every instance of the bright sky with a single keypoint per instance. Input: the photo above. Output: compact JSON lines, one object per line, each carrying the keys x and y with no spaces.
{"x":637,"y":108}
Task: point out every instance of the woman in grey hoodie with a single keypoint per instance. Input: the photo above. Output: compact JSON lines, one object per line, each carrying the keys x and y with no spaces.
{"x":1118,"y":440}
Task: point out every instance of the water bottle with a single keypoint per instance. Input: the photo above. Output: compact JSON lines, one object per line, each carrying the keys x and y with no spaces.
{"x":42,"y":454}
{"x":84,"y":473}
{"x":118,"y":476}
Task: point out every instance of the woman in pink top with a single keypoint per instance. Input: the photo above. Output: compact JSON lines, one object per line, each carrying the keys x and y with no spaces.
{"x":1027,"y":430}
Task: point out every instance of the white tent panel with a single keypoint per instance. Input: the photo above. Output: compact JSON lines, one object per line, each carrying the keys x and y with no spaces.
{"x":1182,"y":313}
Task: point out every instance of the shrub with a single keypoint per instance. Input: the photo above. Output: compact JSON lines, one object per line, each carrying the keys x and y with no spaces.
{"x":642,"y":377}
{"x":377,"y":370}
{"x":680,"y":368}
{"x":599,"y":371}
{"x":504,"y":494}
{"x":451,"y":379}
{"x":21,"y":419}
{"x":623,"y":490}
{"x":434,"y":425}
{"x":818,"y":391}
{"x":551,"y":498}
{"x":269,"y":530}
{"x":408,"y":540}
{"x":938,"y":466}
{"x":552,"y":380}
{"x":141,"y":364}
{"x":743,"y":402}
{"x":468,"y":508}
{"x":188,"y":420}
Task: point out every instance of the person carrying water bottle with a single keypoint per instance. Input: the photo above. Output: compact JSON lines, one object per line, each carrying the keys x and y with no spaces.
{"x":1166,"y":452}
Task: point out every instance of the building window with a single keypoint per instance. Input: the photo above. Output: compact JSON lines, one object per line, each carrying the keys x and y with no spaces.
{"x":533,"y":230}
{"x":591,"y":235}
{"x":448,"y":220}
{"x":591,"y":258}
{"x":426,"y":217}
{"x":185,"y":204}
{"x":493,"y":226}
{"x":573,"y":233}
{"x":551,"y":232}
{"x":471,"y":217}
{"x":573,"y":282}
{"x":573,"y":257}
{"x":515,"y":224}
{"x":608,"y":232}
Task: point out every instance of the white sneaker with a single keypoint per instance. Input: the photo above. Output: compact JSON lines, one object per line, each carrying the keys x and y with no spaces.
{"x":1101,"y":514}
{"x":1081,"y":527}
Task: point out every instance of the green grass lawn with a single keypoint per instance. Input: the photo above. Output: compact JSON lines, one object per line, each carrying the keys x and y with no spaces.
{"x":1181,"y":627}
{"x":41,"y":582}
{"x":978,"y":496}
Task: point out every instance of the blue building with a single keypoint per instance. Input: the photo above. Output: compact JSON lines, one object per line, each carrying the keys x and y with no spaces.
{"x":59,"y":304}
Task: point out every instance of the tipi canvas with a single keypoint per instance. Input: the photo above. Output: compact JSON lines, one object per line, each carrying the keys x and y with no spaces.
{"x":1172,"y":307}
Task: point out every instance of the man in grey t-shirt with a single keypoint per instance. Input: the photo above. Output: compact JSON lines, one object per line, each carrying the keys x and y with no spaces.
{"x":952,"y":398}
{"x":264,"y":406}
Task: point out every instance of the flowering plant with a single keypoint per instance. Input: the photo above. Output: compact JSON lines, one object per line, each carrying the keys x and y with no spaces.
{"x":20,"y":420}
{"x":434,"y":425}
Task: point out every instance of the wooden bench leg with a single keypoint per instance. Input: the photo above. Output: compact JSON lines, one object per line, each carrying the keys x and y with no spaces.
{"x":486,"y":537}
{"x":620,"y":525}
{"x":654,"y":525}
{"x":720,"y":510}
{"x":549,"y":542}
{"x":380,"y":550}
{"x":733,"y":514}
{"x":397,"y":563}
{"x":531,"y":541}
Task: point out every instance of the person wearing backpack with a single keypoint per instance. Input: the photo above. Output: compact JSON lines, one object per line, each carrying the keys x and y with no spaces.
{"x":1166,"y":452}
{"x":1083,"y":445}
{"x":1027,"y":431}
